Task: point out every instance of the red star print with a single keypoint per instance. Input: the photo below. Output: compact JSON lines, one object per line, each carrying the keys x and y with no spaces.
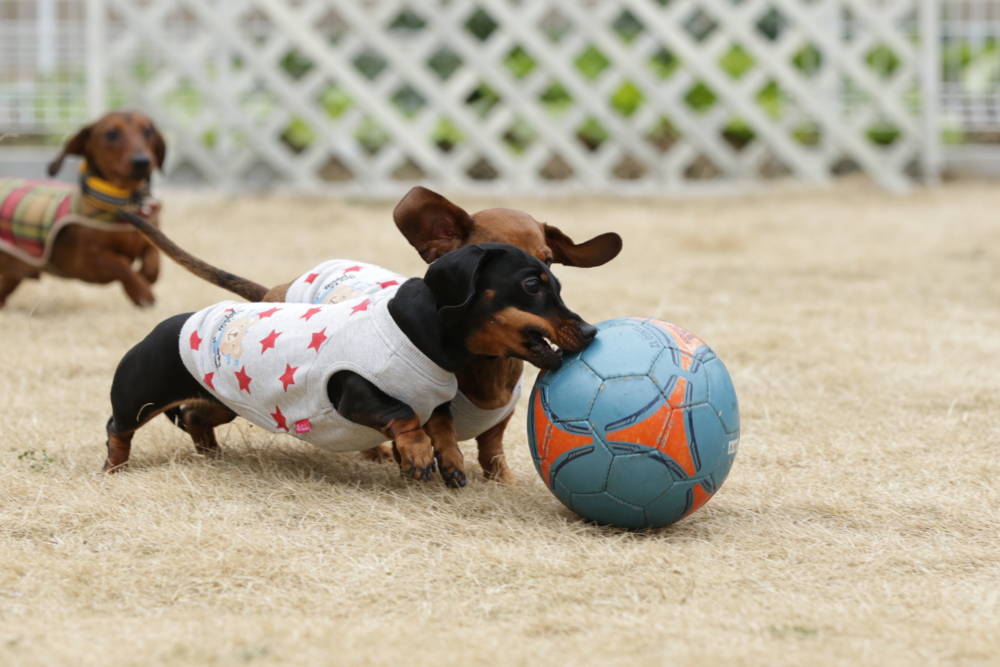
{"x":289,"y":376}
{"x":268,"y":343}
{"x":208,"y":380}
{"x":279,"y":419}
{"x":268,"y":313}
{"x":310,"y":313}
{"x":244,"y":379}
{"x":195,"y":340}
{"x":318,"y":339}
{"x":388,"y":283}
{"x":309,"y":279}
{"x":352,"y":268}
{"x":361,"y":306}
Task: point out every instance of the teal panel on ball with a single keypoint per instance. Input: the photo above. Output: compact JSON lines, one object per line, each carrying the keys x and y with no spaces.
{"x":583,"y":469}
{"x":622,"y":351}
{"x":722,"y":395}
{"x":606,"y":510}
{"x":571,"y":392}
{"x":623,"y":402}
{"x":709,"y":439}
{"x":681,"y":377}
{"x":639,"y":478}
{"x":671,"y":506}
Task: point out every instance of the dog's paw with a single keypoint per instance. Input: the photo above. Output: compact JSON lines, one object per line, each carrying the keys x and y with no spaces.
{"x":504,"y":476}
{"x":453,"y":476}
{"x":419,"y":473}
{"x":380,"y":454}
{"x":113,"y":469}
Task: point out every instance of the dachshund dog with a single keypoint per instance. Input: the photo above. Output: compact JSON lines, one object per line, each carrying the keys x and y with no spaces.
{"x":434,"y":226}
{"x":388,"y":374}
{"x":78,"y":232}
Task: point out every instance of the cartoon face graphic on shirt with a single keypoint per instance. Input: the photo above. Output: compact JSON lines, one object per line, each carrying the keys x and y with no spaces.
{"x":230,"y":342}
{"x":343,"y":292}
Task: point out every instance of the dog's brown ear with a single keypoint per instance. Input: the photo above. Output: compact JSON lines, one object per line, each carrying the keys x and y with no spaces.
{"x":75,"y":146}
{"x":595,"y":252}
{"x":452,"y":281}
{"x":159,"y":147}
{"x":431,"y":223}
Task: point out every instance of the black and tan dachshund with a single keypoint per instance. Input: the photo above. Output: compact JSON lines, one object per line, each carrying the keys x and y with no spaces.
{"x":489,"y":300}
{"x":435,"y":226}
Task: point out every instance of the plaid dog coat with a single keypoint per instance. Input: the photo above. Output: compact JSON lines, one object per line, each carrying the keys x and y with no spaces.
{"x":32,"y":212}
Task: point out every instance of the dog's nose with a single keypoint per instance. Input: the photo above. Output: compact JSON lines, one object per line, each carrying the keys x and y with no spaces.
{"x":587,"y":331}
{"x":140,"y":164}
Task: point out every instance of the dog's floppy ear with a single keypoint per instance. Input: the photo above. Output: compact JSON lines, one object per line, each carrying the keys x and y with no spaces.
{"x":75,"y":146}
{"x":595,"y":252}
{"x":159,"y":147}
{"x":452,"y":281}
{"x":431,"y":223}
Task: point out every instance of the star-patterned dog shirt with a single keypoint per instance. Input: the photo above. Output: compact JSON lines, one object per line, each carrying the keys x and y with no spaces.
{"x":339,"y":280}
{"x":270,"y":364}
{"x":336,"y":279}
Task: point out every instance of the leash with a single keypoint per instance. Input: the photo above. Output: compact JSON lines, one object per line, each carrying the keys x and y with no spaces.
{"x":108,"y":197}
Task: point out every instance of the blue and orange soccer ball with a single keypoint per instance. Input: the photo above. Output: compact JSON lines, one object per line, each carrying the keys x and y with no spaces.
{"x":639,"y":429}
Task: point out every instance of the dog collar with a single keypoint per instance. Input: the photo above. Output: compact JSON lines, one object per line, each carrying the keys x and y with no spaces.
{"x":106,"y":196}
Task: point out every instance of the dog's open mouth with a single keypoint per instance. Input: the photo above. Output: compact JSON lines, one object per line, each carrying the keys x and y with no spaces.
{"x":542,"y":352}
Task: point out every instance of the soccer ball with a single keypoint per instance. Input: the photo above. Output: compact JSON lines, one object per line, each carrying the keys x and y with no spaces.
{"x":639,"y":429}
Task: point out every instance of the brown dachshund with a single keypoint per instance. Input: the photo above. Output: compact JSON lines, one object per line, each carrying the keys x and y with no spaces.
{"x":77,"y":233}
{"x":435,"y":226}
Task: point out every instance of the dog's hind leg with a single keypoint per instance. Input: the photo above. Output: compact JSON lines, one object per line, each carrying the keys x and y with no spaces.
{"x":150,"y":379}
{"x":201,"y":420}
{"x":119,"y":447}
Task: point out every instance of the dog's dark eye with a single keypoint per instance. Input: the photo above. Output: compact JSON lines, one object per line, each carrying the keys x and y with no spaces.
{"x":112,"y":135}
{"x":532,"y":285}
{"x":147,"y":132}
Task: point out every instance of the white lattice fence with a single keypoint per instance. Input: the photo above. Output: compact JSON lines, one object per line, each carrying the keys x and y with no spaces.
{"x":598,"y":95}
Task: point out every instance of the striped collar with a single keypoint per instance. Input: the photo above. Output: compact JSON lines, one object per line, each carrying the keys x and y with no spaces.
{"x":107,"y":197}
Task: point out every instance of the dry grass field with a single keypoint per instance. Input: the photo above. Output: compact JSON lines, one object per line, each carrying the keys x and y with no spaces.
{"x":860,"y":524}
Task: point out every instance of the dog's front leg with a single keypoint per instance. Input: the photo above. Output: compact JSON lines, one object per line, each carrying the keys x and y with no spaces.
{"x":361,"y":402}
{"x":112,"y":266}
{"x":150,"y":264}
{"x":412,"y":447}
{"x":491,"y":456}
{"x":441,"y":429}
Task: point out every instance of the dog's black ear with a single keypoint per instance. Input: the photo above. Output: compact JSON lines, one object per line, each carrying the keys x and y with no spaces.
{"x":452,"y":281}
{"x":432,"y":224}
{"x":595,"y":252}
{"x":75,"y":146}
{"x":159,"y":147}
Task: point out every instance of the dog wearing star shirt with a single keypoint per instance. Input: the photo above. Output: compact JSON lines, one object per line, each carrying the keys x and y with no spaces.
{"x":489,"y":388}
{"x":350,"y":375}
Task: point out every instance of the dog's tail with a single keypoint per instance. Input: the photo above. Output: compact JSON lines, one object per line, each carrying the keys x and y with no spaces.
{"x":247,"y":289}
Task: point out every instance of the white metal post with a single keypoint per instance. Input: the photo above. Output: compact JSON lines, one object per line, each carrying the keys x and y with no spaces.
{"x":930,"y":98}
{"x":96,"y":85}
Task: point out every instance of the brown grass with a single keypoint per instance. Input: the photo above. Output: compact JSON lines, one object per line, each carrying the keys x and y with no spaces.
{"x":859,"y":525}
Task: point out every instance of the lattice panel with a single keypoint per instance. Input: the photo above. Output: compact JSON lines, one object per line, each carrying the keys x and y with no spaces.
{"x":599,"y":95}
